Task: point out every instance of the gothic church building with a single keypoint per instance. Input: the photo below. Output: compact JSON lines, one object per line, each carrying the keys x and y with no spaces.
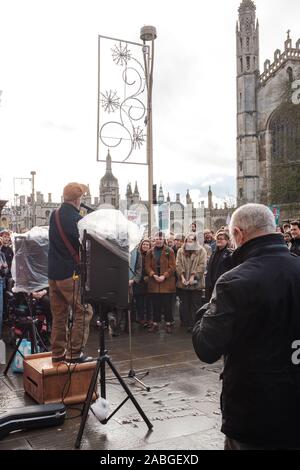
{"x":268,"y":120}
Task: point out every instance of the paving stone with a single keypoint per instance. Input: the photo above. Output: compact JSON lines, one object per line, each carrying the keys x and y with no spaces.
{"x":183,"y":403}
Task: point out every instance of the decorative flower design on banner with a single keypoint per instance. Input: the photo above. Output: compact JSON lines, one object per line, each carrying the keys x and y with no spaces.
{"x":129,"y":128}
{"x":110,"y":101}
{"x":138,"y":137}
{"x":121,"y":54}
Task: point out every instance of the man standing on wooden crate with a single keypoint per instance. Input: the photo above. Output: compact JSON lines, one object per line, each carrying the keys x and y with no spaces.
{"x":64,"y":283}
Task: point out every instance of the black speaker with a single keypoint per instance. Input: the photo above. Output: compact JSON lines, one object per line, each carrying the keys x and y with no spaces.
{"x":105,"y":275}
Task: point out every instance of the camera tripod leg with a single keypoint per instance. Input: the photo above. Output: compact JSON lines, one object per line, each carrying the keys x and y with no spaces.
{"x":32,"y":335}
{"x":132,"y":375}
{"x":13,"y":355}
{"x":87,"y":402}
{"x":129,"y":394}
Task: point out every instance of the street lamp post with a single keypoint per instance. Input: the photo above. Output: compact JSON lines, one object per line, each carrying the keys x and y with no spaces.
{"x":148,"y":34}
{"x":33,"y":173}
{"x":32,"y":195}
{"x":126,"y":129}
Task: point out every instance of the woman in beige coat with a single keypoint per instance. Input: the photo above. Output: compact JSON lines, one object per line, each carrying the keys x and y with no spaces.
{"x":190,"y":266}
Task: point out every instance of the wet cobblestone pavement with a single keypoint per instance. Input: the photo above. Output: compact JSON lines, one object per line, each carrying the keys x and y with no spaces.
{"x":183,"y":403}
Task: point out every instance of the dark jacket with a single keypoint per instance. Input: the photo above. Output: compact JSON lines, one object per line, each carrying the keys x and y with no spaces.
{"x":253,"y":320}
{"x":295,"y":248}
{"x":3,"y":266}
{"x":61,"y":264}
{"x":215,"y":268}
{"x":9,"y":255}
{"x":140,"y":288}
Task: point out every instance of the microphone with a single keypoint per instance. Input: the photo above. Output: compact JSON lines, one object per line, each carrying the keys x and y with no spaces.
{"x":88,"y":208}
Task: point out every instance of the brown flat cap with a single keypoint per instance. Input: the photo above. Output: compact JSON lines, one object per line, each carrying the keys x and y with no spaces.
{"x":73,"y":191}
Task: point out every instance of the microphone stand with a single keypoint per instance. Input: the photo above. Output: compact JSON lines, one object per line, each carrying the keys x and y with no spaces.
{"x":87,"y":208}
{"x":132,"y":373}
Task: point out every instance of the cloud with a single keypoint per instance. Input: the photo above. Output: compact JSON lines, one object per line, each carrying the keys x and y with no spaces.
{"x":50,"y":88}
{"x":57,"y":126}
{"x":222,"y":187}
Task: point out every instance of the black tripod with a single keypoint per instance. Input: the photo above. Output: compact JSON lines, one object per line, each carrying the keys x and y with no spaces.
{"x":27,"y":326}
{"x":102,"y":360}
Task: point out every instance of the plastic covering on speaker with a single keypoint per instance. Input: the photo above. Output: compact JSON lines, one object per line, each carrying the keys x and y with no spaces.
{"x":30,"y":263}
{"x":111,"y":228}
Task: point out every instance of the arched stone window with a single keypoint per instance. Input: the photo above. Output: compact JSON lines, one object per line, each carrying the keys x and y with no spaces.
{"x":47,"y":217}
{"x":285,"y":131}
{"x":290,"y":73}
{"x":248,"y":62}
{"x":284,"y":127}
{"x":217,"y":224}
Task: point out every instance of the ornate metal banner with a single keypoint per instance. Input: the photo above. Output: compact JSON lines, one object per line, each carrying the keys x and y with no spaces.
{"x":122,"y":100}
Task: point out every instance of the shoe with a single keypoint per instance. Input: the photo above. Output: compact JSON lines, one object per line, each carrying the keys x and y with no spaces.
{"x":80,"y":360}
{"x":153,"y":328}
{"x":168,"y":328}
{"x":56,"y":360}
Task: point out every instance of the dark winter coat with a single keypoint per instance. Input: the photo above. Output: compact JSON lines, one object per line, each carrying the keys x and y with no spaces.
{"x":295,"y":248}
{"x":215,"y":268}
{"x":140,"y":288}
{"x":253,"y":320}
{"x":61,"y":264}
{"x":9,"y":255}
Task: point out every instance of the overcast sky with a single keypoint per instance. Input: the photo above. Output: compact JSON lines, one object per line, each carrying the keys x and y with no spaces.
{"x":48,"y":74}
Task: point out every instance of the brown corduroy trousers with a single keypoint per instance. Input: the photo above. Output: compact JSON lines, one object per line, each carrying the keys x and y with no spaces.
{"x":65,"y":298}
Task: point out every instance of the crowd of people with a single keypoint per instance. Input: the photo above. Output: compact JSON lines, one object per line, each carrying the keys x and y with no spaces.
{"x":237,"y":292}
{"x":169,"y":274}
{"x":177,"y":270}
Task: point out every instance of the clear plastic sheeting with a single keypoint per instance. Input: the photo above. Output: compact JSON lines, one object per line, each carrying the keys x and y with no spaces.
{"x":30,"y":263}
{"x":111,"y":228}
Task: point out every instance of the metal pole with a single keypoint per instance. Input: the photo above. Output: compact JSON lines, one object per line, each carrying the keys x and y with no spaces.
{"x":148,"y":33}
{"x":33,"y":173}
{"x":98,"y":99}
{"x":150,"y":172}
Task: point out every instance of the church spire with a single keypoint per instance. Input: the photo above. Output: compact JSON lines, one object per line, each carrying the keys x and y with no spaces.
{"x":109,"y":186}
{"x":136,"y":190}
{"x":210,"y":199}
{"x":188,"y":197}
{"x":129,"y":190}
{"x":247,"y":5}
{"x":247,"y":56}
{"x":108,"y":163}
{"x":161,"y":197}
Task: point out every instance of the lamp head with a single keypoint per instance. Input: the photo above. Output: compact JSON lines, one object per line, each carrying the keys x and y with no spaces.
{"x":148,"y":33}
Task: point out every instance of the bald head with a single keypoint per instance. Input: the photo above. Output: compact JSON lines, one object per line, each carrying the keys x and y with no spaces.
{"x":251,"y":221}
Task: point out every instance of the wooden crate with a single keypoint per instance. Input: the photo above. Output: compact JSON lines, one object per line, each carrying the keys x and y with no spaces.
{"x":50,"y":383}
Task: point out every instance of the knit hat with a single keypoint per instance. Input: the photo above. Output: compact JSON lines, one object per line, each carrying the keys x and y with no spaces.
{"x":73,"y":191}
